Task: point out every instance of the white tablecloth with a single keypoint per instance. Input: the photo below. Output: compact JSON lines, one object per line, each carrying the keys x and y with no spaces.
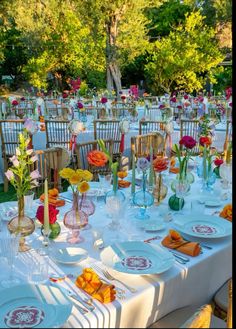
{"x":182,"y":285}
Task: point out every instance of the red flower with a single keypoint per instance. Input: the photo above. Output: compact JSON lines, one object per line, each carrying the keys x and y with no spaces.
{"x":161,"y":106}
{"x":14,"y":102}
{"x":230,"y":104}
{"x":22,"y":99}
{"x":64,"y":95}
{"x":80,"y":105}
{"x":173,"y":99}
{"x":188,"y":141}
{"x":179,"y":107}
{"x":185,"y":96}
{"x":218,"y":162}
{"x":53,"y":212}
{"x":205,"y":141}
{"x":123,"y":97}
{"x":201,"y":99}
{"x":103,"y":100}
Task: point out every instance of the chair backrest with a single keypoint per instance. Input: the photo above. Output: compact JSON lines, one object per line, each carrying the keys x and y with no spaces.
{"x":230,"y":306}
{"x":53,"y":107}
{"x":228,"y":134}
{"x":140,"y":145}
{"x":57,"y":133}
{"x":190,"y":128}
{"x":82,"y":149}
{"x":200,"y":319}
{"x":9,"y":131}
{"x":49,"y":163}
{"x":108,"y":129}
{"x":147,"y":126}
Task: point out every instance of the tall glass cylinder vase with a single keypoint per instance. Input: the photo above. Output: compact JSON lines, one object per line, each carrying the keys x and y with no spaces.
{"x":143,"y":199}
{"x":75,"y":219}
{"x":160,"y":190}
{"x":114,"y":201}
{"x":22,"y":225}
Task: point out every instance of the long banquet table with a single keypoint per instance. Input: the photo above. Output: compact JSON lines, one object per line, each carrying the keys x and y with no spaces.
{"x":182,"y":285}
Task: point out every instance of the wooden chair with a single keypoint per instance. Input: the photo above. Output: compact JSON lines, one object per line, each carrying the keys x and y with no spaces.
{"x":228,"y":135}
{"x":82,"y":149}
{"x":57,"y":133}
{"x":223,"y":303}
{"x":140,"y":145}
{"x":52,"y":108}
{"x":147,"y":126}
{"x":108,"y":129}
{"x":49,"y":163}
{"x":190,"y":128}
{"x":9,"y":131}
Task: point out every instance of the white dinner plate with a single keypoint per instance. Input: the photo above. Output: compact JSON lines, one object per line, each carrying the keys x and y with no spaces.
{"x":8,"y":210}
{"x":203,"y":226}
{"x":70,"y":255}
{"x":30,"y":306}
{"x":136,"y":257}
{"x":153,"y":226}
{"x":210,"y":202}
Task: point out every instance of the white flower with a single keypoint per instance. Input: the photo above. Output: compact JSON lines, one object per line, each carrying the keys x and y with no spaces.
{"x":29,"y":152}
{"x":76,"y":127}
{"x":15,"y":161}
{"x":9,"y":174}
{"x":34,"y":158}
{"x":34,"y":174}
{"x":17,"y":152}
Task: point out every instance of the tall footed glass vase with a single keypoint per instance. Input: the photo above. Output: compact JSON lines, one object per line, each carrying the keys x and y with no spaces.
{"x":22,"y":225}
{"x":75,"y":220}
{"x":114,"y":202}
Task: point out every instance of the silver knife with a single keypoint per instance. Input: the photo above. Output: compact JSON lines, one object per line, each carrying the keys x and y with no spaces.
{"x":75,"y":296}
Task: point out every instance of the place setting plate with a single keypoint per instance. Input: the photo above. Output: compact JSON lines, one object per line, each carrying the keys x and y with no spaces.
{"x":136,"y":257}
{"x":30,"y":306}
{"x":69,"y":256}
{"x":211,"y":202}
{"x":204,"y":226}
{"x":8,"y":210}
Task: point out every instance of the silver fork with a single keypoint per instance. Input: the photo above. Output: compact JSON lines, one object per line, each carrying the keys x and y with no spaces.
{"x":112,"y":278}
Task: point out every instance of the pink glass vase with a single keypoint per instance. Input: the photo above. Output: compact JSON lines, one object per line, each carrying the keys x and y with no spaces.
{"x":75,"y":220}
{"x":86,"y":205}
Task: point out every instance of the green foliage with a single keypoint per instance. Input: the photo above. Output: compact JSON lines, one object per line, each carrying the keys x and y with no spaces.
{"x":223,"y":79}
{"x":186,"y":58}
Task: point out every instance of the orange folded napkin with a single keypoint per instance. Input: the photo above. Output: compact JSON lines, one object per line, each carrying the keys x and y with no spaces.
{"x":123,"y":183}
{"x":53,"y":195}
{"x":175,"y":241}
{"x":226,"y":212}
{"x":90,"y":282}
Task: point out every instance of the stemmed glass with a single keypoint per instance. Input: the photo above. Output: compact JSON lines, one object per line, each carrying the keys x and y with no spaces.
{"x":181,"y":189}
{"x":9,"y":246}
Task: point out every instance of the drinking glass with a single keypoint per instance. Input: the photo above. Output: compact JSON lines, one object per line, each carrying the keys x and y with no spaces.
{"x":105,"y":182}
{"x":38,"y":269}
{"x":181,"y":189}
{"x":9,"y":247}
{"x":28,"y":201}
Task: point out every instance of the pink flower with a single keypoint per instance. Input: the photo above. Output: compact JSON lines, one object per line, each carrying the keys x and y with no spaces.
{"x":201,"y":99}
{"x":179,"y":107}
{"x":161,"y":106}
{"x":230,"y":104}
{"x":188,"y":141}
{"x":14,"y":102}
{"x":173,"y":99}
{"x":9,"y":174}
{"x":218,"y":162}
{"x":53,"y":212}
{"x":80,"y":105}
{"x":31,"y":126}
{"x":15,"y":161}
{"x":185,"y":96}
{"x":34,"y":158}
{"x":103,"y":100}
{"x":34,"y":174}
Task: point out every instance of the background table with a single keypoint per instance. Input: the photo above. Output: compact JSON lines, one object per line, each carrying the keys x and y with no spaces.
{"x":182,"y":285}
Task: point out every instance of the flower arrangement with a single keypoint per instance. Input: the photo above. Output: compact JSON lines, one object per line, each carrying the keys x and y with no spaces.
{"x":206,"y":127}
{"x":188,"y":143}
{"x":31,"y":126}
{"x":19,"y":174}
{"x":227,"y":212}
{"x":78,"y":179}
{"x":160,"y":164}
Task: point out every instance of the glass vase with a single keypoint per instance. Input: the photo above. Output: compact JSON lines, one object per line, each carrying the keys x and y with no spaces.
{"x":160,"y":190}
{"x":55,"y":230}
{"x":225,"y":172}
{"x":86,"y":205}
{"x":22,"y":225}
{"x":114,"y":201}
{"x":208,"y":178}
{"x":143,"y":199}
{"x":75,"y":220}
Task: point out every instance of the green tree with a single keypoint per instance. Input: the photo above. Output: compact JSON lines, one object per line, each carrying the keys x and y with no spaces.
{"x":186,"y":58}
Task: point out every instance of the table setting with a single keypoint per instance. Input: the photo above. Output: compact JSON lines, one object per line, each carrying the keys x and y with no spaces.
{"x":94,"y":253}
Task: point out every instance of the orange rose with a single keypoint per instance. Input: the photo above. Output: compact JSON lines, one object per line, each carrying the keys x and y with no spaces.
{"x":226,"y":212}
{"x":122,"y":174}
{"x":160,"y":164}
{"x":97,"y":158}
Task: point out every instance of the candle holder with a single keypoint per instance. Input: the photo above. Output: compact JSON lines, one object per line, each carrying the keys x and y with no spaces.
{"x":46,"y":242}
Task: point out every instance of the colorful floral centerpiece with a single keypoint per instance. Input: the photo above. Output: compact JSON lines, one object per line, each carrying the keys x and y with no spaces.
{"x":76,"y":218}
{"x":54,"y":226}
{"x":23,"y":180}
